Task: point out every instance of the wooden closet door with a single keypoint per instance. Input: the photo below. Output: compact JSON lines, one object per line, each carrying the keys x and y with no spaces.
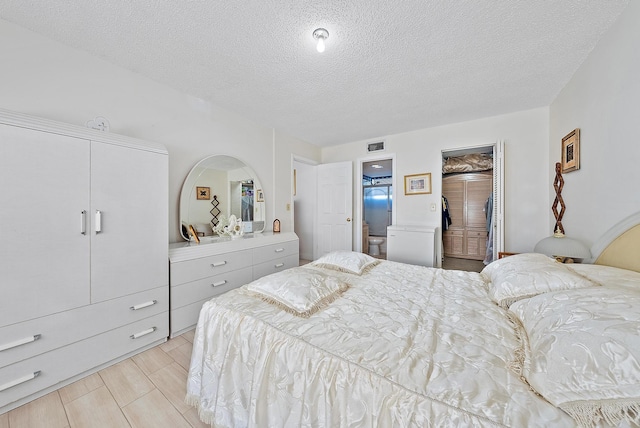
{"x":44,"y":190}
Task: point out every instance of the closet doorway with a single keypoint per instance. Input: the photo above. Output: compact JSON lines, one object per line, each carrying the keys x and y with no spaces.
{"x":472,"y":195}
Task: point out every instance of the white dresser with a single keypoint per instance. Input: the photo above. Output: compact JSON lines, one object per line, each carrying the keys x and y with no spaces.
{"x":201,"y":271}
{"x":83,"y":250}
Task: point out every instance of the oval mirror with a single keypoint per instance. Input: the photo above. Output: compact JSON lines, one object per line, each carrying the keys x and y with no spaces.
{"x":217,"y":186}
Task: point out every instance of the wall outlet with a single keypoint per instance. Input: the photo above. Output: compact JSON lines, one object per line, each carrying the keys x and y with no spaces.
{"x":433,"y":207}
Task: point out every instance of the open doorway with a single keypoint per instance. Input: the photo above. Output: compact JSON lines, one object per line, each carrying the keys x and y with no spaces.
{"x":376,"y":204}
{"x":472,"y":201}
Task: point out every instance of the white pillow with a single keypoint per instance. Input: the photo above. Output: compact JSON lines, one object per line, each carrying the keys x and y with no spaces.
{"x":346,"y":261}
{"x":299,"y":291}
{"x":608,"y":276}
{"x":529,"y":274}
{"x":582,"y":352}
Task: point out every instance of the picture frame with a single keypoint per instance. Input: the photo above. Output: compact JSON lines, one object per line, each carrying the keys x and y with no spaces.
{"x":571,"y":151}
{"x":260,"y":196}
{"x":203,"y":193}
{"x":417,"y":184}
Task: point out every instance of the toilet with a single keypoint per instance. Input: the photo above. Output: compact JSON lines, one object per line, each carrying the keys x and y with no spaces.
{"x":374,"y":245}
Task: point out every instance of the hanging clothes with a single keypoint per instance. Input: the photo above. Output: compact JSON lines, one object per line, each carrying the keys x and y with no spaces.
{"x":446,"y":218}
{"x":488,"y":257}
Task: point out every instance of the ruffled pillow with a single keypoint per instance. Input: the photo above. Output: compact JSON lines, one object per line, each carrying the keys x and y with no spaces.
{"x":582,"y":352}
{"x":608,"y":276}
{"x":346,"y":261}
{"x":525,"y":275}
{"x":299,"y":291}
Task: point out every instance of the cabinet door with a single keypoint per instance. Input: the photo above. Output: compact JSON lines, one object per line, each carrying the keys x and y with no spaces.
{"x":44,"y":187}
{"x":478,"y":191}
{"x":129,"y":248}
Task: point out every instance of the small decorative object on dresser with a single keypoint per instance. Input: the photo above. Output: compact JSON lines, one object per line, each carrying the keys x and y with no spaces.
{"x":276,"y":226}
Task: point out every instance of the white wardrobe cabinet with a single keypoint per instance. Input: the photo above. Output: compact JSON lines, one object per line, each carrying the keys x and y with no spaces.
{"x":83,"y":250}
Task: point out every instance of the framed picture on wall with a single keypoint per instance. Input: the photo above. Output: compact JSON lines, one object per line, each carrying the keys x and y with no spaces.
{"x":203,"y":193}
{"x":417,"y":184}
{"x":571,"y":151}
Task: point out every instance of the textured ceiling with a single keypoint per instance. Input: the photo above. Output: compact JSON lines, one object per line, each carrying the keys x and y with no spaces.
{"x":389,"y":66}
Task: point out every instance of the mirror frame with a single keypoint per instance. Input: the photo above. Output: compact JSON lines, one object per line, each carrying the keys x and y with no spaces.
{"x":228,"y":163}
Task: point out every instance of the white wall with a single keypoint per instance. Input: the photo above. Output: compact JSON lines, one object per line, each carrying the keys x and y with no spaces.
{"x":46,"y":79}
{"x":603,"y":100}
{"x":526,"y":177}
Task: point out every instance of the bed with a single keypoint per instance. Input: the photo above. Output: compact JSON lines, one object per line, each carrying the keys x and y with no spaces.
{"x":350,"y":341}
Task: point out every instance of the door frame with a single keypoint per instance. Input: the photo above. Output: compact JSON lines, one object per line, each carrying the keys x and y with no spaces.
{"x":357,"y":236}
{"x":498,"y":193}
{"x":294,"y":185}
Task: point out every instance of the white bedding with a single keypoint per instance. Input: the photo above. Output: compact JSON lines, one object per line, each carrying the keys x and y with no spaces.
{"x":403,"y":346}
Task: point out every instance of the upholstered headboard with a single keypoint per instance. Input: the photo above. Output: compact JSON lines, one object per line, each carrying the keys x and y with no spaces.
{"x":620,"y":246}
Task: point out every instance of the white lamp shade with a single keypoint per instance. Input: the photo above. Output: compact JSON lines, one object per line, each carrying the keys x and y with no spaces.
{"x":555,"y":246}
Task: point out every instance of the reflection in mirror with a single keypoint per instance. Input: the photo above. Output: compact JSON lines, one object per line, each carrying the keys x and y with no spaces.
{"x":221,"y":186}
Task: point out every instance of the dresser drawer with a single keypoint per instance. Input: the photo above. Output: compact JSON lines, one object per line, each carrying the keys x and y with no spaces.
{"x":274,"y":251}
{"x":58,"y":365}
{"x":191,"y":270}
{"x":274,"y":266}
{"x":33,"y":337}
{"x":185,"y":318}
{"x":206,"y":288}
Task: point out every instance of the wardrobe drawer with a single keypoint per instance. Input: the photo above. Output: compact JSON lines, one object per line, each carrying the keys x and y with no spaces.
{"x":33,"y":337}
{"x":58,"y":365}
{"x":191,"y":270}
{"x":206,"y":288}
{"x":274,"y":266}
{"x":275,"y":251}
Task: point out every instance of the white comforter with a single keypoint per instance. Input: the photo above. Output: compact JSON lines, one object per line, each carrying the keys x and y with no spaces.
{"x":404,"y":346}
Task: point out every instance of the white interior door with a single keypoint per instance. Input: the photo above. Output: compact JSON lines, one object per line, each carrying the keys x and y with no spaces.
{"x":334,"y":230}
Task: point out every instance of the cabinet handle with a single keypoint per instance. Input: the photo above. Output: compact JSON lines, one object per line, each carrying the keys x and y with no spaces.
{"x":217,"y":264}
{"x":19,"y":342}
{"x":216,"y":284}
{"x":279,"y":250}
{"x":83,"y":222}
{"x":143,"y":305}
{"x":98,"y":221}
{"x":20,"y":380}
{"x":279,"y":265}
{"x":143,"y":333}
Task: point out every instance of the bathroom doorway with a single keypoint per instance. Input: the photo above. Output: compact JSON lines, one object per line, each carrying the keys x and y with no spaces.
{"x":376,"y":204}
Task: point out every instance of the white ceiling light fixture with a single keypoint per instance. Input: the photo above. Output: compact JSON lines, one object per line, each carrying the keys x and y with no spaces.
{"x":320,"y":34}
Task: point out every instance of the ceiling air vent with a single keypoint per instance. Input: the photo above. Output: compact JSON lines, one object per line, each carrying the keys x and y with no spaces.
{"x":375,"y":147}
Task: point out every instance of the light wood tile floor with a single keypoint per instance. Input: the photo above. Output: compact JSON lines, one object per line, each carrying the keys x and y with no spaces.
{"x":146,"y":390}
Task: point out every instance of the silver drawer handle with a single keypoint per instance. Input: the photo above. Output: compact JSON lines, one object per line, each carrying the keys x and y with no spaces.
{"x":279,"y":265}
{"x":19,"y":342}
{"x":279,"y":250}
{"x":20,"y":380}
{"x":216,"y":284}
{"x":216,"y":264}
{"x":143,"y":305}
{"x":143,"y":333}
